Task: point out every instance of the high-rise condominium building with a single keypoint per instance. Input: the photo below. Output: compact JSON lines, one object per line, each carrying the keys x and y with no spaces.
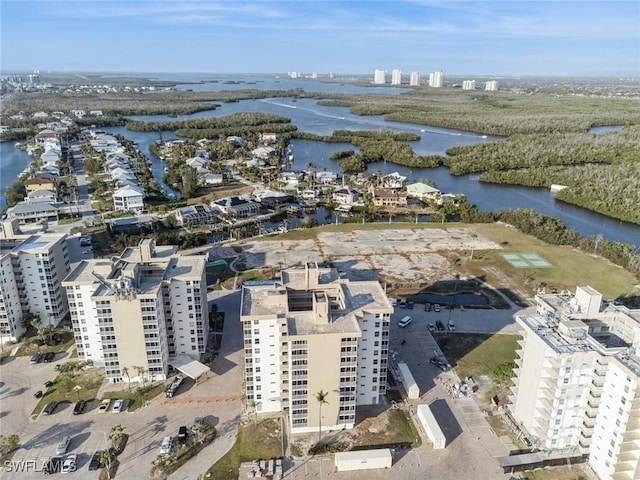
{"x":31,"y":271}
{"x":396,"y":77}
{"x":139,"y":310}
{"x":469,"y":85}
{"x":578,"y":380}
{"x":379,"y":77}
{"x":435,"y":79}
{"x":414,"y":79}
{"x":310,"y":332}
{"x":491,"y":86}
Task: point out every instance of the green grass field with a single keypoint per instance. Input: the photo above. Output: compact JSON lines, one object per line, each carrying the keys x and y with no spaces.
{"x":259,"y":441}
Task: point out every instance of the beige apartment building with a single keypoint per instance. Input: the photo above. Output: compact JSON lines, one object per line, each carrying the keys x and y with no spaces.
{"x":139,"y":310}
{"x":577,"y":385}
{"x":312,"y":331}
{"x":32,"y":268}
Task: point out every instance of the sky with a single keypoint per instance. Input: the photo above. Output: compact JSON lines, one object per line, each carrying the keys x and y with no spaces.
{"x":493,"y":38}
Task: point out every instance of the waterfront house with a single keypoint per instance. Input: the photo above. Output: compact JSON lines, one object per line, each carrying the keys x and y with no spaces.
{"x":268,"y":137}
{"x":382,"y":197}
{"x":263,"y":152}
{"x":194,"y":215}
{"x":38,"y":196}
{"x":291,"y":179}
{"x":44,"y":136}
{"x":326,"y":178}
{"x":346,"y":197}
{"x":237,"y":207}
{"x":33,"y":212}
{"x":129,"y":198}
{"x":78,"y":113}
{"x":39,"y":183}
{"x":95,"y":113}
{"x":393,"y":180}
{"x":422,"y":191}
{"x":50,"y":157}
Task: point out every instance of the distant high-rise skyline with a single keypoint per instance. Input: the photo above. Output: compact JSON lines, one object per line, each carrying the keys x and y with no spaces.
{"x":491,"y":86}
{"x":435,"y":79}
{"x":414,"y":79}
{"x":379,"y":77}
{"x":396,"y":77}
{"x":469,"y":85}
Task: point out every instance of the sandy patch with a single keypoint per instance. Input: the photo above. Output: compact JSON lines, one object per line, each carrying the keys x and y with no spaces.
{"x":403,"y":255}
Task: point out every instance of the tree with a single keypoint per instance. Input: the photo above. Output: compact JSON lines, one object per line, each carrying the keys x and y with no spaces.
{"x":105,"y":459}
{"x":116,"y":434}
{"x":321,"y":397}
{"x":474,"y":236}
{"x":8,"y":444}
{"x":125,"y":372}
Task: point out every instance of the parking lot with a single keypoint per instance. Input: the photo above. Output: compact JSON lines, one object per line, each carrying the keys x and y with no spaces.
{"x":218,"y":398}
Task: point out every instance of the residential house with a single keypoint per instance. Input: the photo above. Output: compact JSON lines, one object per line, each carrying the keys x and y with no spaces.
{"x":263,"y":152}
{"x":128,"y":198}
{"x":268,"y":137}
{"x":35,"y":212}
{"x":197,"y":162}
{"x":393,"y":180}
{"x":50,"y":157}
{"x":381,"y":197}
{"x":237,"y":207}
{"x":326,"y":178}
{"x":78,"y":113}
{"x":194,"y":215}
{"x":212,"y":178}
{"x":291,"y":179}
{"x":95,"y":113}
{"x":346,"y":197}
{"x":39,"y":183}
{"x":422,"y":191}
{"x":37,"y":196}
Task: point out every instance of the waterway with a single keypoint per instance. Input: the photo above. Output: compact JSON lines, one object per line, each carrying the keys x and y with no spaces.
{"x":310,"y":117}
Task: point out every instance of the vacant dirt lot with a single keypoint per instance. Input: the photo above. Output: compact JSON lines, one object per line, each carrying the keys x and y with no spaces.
{"x":397,"y":255}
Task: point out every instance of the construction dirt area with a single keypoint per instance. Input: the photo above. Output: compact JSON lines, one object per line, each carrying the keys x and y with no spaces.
{"x":399,"y":256}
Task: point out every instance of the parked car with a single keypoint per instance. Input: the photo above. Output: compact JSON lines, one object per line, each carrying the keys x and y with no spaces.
{"x":404,"y":322}
{"x":49,"y":356}
{"x":50,"y":408}
{"x":118,"y":406}
{"x":48,"y":384}
{"x":104,"y":405}
{"x":95,"y":463}
{"x":410,"y":304}
{"x":403,"y":303}
{"x":451,"y":326}
{"x":214,"y":307}
{"x":63,"y":445}
{"x":394,"y":302}
{"x":182,"y":435}
{"x":37,"y":358}
{"x":431,"y":327}
{"x":436,"y":307}
{"x":427,"y":307}
{"x":440,"y":326}
{"x":38,"y":394}
{"x":444,"y":366}
{"x":69,"y":464}
{"x":166,"y":445}
{"x":79,"y":407}
{"x":51,"y":466}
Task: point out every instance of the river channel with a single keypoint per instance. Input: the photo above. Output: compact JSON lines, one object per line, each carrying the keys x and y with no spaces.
{"x":312,"y":118}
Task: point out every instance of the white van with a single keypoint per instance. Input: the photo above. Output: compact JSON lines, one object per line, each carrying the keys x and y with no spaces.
{"x":404,"y":322}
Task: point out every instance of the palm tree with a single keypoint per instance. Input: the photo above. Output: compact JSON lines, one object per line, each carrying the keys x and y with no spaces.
{"x":125,"y":372}
{"x":105,"y":459}
{"x":116,"y":434}
{"x":474,"y":236}
{"x":321,"y":396}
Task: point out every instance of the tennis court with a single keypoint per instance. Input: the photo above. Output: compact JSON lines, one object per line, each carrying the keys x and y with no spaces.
{"x":525,"y":260}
